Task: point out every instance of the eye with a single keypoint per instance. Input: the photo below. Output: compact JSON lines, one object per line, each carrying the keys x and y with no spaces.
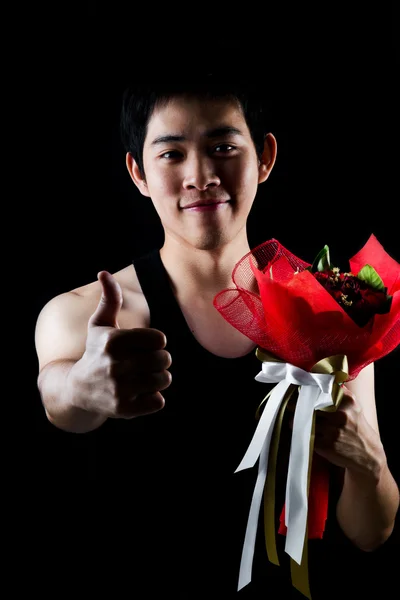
{"x":224,"y":148}
{"x":170,"y":154}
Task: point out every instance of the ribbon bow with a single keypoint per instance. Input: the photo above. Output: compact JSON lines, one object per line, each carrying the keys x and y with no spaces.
{"x":319,"y":390}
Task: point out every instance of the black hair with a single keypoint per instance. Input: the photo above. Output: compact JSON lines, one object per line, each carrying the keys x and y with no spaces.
{"x":139,"y":101}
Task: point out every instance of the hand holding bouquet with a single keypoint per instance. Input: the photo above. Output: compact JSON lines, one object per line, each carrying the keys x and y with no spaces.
{"x":315,"y":327}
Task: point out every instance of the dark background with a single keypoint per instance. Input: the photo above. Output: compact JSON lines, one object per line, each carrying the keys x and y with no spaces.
{"x":334,"y":111}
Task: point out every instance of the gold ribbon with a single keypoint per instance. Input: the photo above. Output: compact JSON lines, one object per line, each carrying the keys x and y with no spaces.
{"x":333,"y":365}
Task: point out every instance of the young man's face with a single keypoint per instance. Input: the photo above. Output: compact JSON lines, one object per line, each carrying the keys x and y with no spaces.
{"x":197,"y":151}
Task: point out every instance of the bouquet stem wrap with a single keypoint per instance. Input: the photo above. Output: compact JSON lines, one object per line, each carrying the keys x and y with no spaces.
{"x":279,"y":303}
{"x":319,"y":389}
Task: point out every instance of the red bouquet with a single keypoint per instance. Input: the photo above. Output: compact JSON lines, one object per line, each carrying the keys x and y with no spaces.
{"x":315,"y":327}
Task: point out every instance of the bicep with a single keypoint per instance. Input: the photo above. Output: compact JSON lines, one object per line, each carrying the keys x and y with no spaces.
{"x":61,"y":330}
{"x":363,"y":387}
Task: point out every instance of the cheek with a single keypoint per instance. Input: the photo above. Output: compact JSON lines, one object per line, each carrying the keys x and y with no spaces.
{"x":164,"y":191}
{"x":161,"y":182}
{"x":244,"y":178}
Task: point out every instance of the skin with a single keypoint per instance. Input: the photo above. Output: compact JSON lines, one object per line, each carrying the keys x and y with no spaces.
{"x":105,"y":323}
{"x":201,"y":247}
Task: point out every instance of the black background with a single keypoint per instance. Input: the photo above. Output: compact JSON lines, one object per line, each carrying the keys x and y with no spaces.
{"x":332,"y":83}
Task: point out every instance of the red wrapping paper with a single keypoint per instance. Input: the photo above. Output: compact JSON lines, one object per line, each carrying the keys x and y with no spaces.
{"x":282,"y":307}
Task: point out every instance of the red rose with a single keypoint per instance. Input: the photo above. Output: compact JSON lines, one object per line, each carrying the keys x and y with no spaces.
{"x":369,"y":303}
{"x":374,"y":298}
{"x":360,"y":301}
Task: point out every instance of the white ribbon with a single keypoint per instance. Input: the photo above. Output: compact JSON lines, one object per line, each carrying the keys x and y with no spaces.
{"x":315,"y":393}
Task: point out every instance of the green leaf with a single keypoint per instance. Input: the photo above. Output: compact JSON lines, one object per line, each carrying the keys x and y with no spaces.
{"x":370,"y":276}
{"x":322,"y":261}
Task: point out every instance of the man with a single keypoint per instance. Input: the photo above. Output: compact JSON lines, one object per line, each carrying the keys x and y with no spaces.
{"x":143,"y":357}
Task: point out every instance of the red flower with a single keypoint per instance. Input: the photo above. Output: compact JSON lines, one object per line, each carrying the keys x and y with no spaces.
{"x":359,"y":299}
{"x":368,"y":303}
{"x":303,"y":313}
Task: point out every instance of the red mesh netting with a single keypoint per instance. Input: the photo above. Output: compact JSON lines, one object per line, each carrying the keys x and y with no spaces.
{"x":296,"y":319}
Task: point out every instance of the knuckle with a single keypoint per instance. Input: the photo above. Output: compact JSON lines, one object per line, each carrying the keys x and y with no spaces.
{"x":160,"y":380}
{"x":161,"y":360}
{"x":349,"y":395}
{"x":167,"y":358}
{"x":337,"y":444}
{"x":349,"y":418}
{"x":345,"y":418}
{"x":108,"y":339}
{"x":112,"y":370}
{"x":167,"y":378}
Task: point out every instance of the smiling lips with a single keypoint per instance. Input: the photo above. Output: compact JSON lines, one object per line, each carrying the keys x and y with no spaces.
{"x":205,"y":204}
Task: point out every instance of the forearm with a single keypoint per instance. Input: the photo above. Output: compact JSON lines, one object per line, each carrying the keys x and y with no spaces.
{"x":368,"y":505}
{"x":57,"y":396}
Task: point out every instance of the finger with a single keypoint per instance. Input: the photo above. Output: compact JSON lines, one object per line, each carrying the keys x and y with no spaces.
{"x":335,"y":419}
{"x":148,"y":403}
{"x":126,"y":341}
{"x":144,"y":384}
{"x":142,"y":405}
{"x":141,"y":362}
{"x":348,"y":393}
{"x":110,"y":302}
{"x":326,"y":434}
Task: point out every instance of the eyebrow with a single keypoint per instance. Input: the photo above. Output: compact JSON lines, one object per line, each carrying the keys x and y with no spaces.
{"x":210,"y":134}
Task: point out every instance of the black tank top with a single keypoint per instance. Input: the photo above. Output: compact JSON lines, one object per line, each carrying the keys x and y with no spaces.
{"x":180,"y":510}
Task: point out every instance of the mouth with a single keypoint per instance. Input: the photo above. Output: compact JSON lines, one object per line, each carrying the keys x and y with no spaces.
{"x":206,"y":205}
{"x":214,"y":206}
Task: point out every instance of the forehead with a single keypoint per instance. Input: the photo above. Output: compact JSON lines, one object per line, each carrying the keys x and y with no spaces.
{"x":193,"y":116}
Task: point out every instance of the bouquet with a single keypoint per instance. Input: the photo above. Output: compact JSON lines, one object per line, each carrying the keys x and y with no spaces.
{"x":315,"y":328}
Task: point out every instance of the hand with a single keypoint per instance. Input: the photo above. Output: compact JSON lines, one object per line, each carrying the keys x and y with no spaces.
{"x":122,"y":371}
{"x":346,"y":439}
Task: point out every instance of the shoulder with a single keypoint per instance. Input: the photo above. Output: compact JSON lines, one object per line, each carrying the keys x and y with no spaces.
{"x":134,"y":310}
{"x":126,"y":277}
{"x":61,"y":326}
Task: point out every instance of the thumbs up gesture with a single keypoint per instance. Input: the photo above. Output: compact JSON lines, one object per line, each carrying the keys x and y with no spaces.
{"x":122,"y":371}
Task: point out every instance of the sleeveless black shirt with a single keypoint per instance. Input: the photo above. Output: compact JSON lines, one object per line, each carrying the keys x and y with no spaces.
{"x":179,"y":509}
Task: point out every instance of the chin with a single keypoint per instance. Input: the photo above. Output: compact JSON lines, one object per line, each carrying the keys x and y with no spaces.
{"x":213,"y":241}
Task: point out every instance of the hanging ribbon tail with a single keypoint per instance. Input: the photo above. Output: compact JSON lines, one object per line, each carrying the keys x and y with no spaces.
{"x":319,"y":389}
{"x":318,"y":500}
{"x":259,"y":449}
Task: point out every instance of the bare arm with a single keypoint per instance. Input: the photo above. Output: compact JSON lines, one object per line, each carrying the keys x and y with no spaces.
{"x":60,"y":339}
{"x":89,"y":368}
{"x":369,"y":501}
{"x":367,"y":507}
{"x":56,"y":390}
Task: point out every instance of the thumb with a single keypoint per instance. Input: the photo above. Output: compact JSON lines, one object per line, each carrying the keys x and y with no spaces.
{"x":110,"y":303}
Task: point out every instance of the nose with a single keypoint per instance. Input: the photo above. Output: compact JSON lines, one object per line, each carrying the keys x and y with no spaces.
{"x":200,"y":174}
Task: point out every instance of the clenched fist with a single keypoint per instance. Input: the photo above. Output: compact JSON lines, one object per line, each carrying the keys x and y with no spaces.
{"x":122,"y":371}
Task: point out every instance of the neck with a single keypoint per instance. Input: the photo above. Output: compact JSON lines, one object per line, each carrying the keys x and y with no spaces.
{"x":192,"y":269}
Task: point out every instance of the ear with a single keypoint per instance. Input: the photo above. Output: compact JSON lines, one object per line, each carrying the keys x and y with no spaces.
{"x":268,"y":158}
{"x":136,"y":176}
